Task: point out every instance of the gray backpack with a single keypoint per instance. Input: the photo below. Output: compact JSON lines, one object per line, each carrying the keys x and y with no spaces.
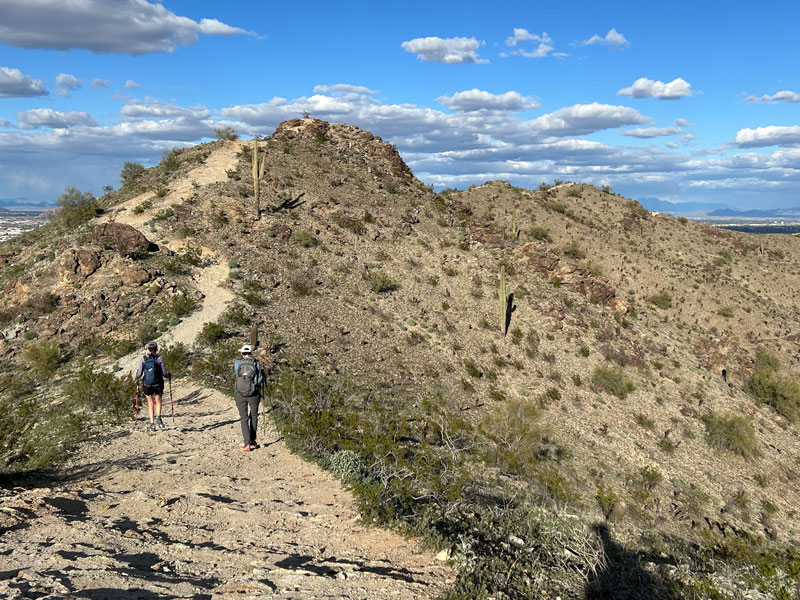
{"x":246,"y":377}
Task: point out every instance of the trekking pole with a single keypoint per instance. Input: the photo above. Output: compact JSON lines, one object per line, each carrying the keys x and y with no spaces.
{"x":136,"y":404}
{"x":171,"y":404}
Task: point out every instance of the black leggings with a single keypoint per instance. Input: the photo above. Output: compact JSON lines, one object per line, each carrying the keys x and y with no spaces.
{"x":249,"y":422}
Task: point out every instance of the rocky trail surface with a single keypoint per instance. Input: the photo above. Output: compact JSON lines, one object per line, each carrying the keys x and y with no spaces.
{"x":184,"y":513}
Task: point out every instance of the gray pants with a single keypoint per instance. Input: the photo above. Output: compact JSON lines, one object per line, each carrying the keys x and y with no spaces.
{"x":249,"y":422}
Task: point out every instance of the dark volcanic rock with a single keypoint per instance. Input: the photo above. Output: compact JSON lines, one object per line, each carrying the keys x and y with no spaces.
{"x":128,"y":240}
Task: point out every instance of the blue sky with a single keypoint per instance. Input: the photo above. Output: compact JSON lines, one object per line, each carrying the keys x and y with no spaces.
{"x":682,"y":101}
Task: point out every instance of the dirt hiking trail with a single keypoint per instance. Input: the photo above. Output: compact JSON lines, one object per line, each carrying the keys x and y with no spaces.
{"x":184,"y":513}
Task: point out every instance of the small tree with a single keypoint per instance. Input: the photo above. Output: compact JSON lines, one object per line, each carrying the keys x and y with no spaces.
{"x":76,"y":207}
{"x":130,"y":172}
{"x":226,"y":133}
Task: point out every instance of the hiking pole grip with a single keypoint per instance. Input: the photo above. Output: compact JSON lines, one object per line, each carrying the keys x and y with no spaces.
{"x":136,"y":405}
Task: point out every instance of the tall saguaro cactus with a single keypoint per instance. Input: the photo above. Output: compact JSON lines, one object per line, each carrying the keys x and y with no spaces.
{"x":503,"y":300}
{"x":258,"y":172}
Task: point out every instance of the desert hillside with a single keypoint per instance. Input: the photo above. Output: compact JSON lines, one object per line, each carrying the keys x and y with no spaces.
{"x":562,"y":393}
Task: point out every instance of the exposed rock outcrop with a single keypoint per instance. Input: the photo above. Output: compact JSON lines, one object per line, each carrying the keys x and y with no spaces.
{"x":127,"y":240}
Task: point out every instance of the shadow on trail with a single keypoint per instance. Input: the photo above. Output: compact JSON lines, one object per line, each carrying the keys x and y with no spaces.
{"x":138,"y":462}
{"x":622,"y":577}
{"x":296,"y":561}
{"x":210,"y":426}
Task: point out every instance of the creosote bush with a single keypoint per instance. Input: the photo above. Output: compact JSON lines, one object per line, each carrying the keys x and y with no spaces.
{"x":130,"y":172}
{"x":661,"y":300}
{"x":43,"y":357}
{"x":733,"y":433}
{"x":102,"y":391}
{"x":381,"y":283}
{"x":770,"y":387}
{"x":612,"y":380}
{"x":76,"y":207}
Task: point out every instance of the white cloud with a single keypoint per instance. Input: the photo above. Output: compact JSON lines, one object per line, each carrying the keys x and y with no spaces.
{"x":150,"y":107}
{"x":651,"y":132}
{"x":772,"y":135}
{"x":131,"y":85}
{"x":15,"y":84}
{"x":783,"y":96}
{"x":343,"y":88}
{"x":582,"y":119}
{"x":450,"y":51}
{"x":66,"y":83}
{"x":100,"y":84}
{"x":129,"y":27}
{"x":47,"y":117}
{"x":647,"y":88}
{"x":5,"y":123}
{"x":542,"y":42}
{"x":476,"y":99}
{"x":613,"y":38}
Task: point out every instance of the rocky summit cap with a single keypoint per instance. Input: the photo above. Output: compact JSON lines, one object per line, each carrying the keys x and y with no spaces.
{"x":152,"y":345}
{"x":246,"y":349}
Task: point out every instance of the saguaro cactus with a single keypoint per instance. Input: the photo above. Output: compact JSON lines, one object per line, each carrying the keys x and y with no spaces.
{"x":258,"y":172}
{"x":503,"y":300}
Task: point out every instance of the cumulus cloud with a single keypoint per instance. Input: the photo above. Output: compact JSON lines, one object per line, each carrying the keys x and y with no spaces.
{"x":783,"y":96}
{"x":647,"y":88}
{"x":150,"y":107}
{"x":15,"y":84}
{"x":582,"y":119}
{"x":476,"y":99}
{"x":5,"y":123}
{"x":100,"y":84}
{"x":654,"y":132}
{"x":132,"y":27}
{"x":343,"y":88}
{"x":450,"y":51}
{"x":131,"y":85}
{"x":540,"y":47}
{"x":773,"y":135}
{"x":66,"y":83}
{"x":47,"y":117}
{"x":613,"y":38}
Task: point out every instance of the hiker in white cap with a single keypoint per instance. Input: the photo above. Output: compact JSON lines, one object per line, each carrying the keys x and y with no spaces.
{"x":249,"y":377}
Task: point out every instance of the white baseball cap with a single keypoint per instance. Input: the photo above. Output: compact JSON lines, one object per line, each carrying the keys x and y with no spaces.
{"x":246,"y":349}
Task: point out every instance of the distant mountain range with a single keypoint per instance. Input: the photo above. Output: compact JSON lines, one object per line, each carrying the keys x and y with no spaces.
{"x":23,"y":205}
{"x":715,"y":210}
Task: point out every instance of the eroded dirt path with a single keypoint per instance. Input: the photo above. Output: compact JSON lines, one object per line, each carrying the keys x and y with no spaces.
{"x":183,"y":513}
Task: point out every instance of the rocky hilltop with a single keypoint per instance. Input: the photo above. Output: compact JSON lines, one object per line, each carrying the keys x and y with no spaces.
{"x":565,"y":394}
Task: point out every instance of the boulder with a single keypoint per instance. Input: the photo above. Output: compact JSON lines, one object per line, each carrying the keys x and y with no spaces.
{"x":133,"y":274}
{"x":88,"y":261}
{"x":127,"y":240}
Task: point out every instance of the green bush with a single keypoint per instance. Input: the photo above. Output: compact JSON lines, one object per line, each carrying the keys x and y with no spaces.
{"x":176,"y":359}
{"x":539,"y":233}
{"x":304,"y":238}
{"x":612,"y":380}
{"x":146,"y":332}
{"x":381,"y":283}
{"x":574,"y":251}
{"x":143,"y":206}
{"x":733,"y":433}
{"x":182,"y":305}
{"x":770,"y":387}
{"x":661,"y":300}
{"x":170,"y":160}
{"x":211,"y":333}
{"x":43,"y":357}
{"x":76,"y":207}
{"x":347,"y":222}
{"x":131,"y":171}
{"x":102,"y":391}
{"x":226,"y":133}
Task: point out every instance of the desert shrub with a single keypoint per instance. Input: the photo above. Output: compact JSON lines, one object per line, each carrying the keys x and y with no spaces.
{"x":733,"y":433}
{"x":352,"y":223}
{"x":76,"y":207}
{"x":30,"y":335}
{"x":211,"y":333}
{"x":122,"y":347}
{"x":226,"y":133}
{"x":304,"y":238}
{"x":520,"y":441}
{"x":43,"y":357}
{"x":44,"y":304}
{"x":661,"y":300}
{"x":539,"y":233}
{"x":644,"y":421}
{"x":559,"y":207}
{"x":146,"y":332}
{"x":472,"y":369}
{"x":347,"y":465}
{"x":612,"y":380}
{"x":182,"y":305}
{"x":235,"y":315}
{"x":725,"y":311}
{"x":768,"y":386}
{"x":176,"y":358}
{"x":130,"y":172}
{"x":725,"y":257}
{"x":170,"y":160}
{"x":574,"y":192}
{"x":143,"y":206}
{"x":381,"y":283}
{"x":574,"y":251}
{"x":102,"y":391}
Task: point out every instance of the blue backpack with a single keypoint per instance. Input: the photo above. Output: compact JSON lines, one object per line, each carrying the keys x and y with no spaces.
{"x":151,"y":375}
